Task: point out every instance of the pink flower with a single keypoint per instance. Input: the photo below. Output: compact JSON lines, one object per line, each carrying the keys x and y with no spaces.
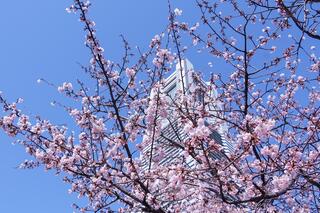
{"x":65,"y":87}
{"x":273,"y":49}
{"x":130,"y":72}
{"x":155,"y":41}
{"x":177,"y":12}
{"x":315,"y":67}
{"x":263,"y":127}
{"x":301,"y":80}
{"x":266,"y":29}
{"x":8,"y":120}
{"x":281,"y":182}
{"x":162,"y":56}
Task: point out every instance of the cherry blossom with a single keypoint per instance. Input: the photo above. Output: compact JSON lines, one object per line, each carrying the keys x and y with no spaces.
{"x":263,"y":93}
{"x":177,"y":12}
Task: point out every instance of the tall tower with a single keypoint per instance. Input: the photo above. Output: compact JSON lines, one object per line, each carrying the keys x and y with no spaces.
{"x":171,"y":142}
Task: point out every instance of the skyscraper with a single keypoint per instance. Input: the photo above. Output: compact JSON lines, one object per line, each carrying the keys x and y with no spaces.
{"x":170,"y":145}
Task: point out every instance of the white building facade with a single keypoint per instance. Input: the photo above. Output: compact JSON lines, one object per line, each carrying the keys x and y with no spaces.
{"x":171,"y":143}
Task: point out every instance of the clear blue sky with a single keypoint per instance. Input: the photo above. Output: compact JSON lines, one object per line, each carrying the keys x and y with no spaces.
{"x":40,"y":40}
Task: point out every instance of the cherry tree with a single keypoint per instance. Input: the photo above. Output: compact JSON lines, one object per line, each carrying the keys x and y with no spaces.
{"x":268,"y":90}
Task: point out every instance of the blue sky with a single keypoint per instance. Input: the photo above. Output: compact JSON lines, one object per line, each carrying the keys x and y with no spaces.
{"x":40,"y":40}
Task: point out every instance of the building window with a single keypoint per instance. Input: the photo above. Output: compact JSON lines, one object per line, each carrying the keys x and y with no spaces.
{"x":171,"y":92}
